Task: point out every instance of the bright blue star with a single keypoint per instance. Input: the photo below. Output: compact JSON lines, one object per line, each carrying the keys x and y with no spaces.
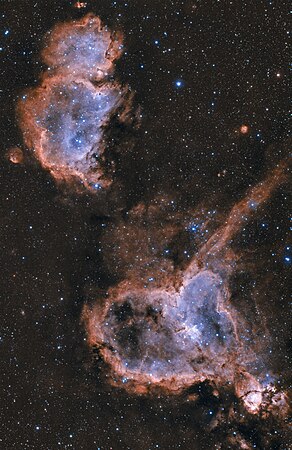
{"x":194,"y":228}
{"x":179,"y":83}
{"x":252,"y":204}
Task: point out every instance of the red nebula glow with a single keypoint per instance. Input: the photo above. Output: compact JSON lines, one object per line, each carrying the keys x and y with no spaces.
{"x":166,"y":335}
{"x":244,"y":129}
{"x":63,"y":119}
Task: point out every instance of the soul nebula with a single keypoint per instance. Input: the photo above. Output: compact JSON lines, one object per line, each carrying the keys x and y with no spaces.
{"x":63,"y":120}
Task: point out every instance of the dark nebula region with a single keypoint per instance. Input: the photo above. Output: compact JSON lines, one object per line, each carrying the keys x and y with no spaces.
{"x":173,"y":306}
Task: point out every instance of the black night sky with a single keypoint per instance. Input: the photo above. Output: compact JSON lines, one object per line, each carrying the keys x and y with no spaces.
{"x":206,"y":107}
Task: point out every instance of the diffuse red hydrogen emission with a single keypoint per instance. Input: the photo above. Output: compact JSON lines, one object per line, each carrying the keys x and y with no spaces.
{"x":63,"y":119}
{"x":171,"y":335}
{"x":184,"y":330}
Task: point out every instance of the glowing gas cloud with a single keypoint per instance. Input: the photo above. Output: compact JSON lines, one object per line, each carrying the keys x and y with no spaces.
{"x":182,"y":329}
{"x":63,"y":119}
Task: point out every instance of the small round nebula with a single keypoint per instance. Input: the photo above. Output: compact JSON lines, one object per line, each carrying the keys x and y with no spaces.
{"x":244,"y":129}
{"x":15,"y":155}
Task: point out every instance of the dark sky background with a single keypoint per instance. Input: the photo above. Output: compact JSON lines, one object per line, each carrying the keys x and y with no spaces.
{"x":200,"y":70}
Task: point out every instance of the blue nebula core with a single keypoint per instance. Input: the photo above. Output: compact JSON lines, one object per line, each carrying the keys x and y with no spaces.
{"x":73,"y":121}
{"x":161,"y":335}
{"x":82,"y":47}
{"x":63,"y":119}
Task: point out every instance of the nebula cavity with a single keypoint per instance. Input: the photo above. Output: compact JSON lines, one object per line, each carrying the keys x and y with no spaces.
{"x":63,"y":119}
{"x":163,"y":335}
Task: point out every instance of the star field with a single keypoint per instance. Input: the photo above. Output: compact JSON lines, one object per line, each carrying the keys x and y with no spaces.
{"x":187,"y":196}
